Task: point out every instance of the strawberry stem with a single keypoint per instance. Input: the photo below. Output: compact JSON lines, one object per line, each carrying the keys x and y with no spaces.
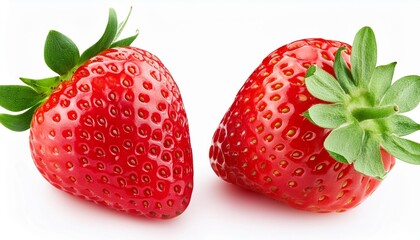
{"x":365,"y":113}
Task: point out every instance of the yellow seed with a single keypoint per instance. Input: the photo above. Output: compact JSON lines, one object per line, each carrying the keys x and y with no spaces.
{"x":320,"y":167}
{"x":275,"y":98}
{"x":283,"y":163}
{"x":285,"y":110}
{"x":291,"y":132}
{"x":269,"y":138}
{"x":302,"y":97}
{"x":298,"y":171}
{"x":277,"y":86}
{"x":276,"y":173}
{"x":296,"y":154}
{"x":340,"y":195}
{"x":350,"y":200}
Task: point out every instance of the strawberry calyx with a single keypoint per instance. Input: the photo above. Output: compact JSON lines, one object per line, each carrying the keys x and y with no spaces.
{"x":364,"y":108}
{"x":63,"y":57}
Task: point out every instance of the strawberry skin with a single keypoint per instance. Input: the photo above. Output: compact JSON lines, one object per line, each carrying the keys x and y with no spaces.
{"x":110,"y":127}
{"x":265,"y":144}
{"x":117,"y":134}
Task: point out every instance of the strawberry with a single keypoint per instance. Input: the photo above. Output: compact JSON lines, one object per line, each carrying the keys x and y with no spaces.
{"x":300,"y":136}
{"x":111,"y":128}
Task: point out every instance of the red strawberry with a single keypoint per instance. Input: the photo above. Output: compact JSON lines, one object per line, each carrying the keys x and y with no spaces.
{"x":266,"y":143}
{"x":115,"y":130}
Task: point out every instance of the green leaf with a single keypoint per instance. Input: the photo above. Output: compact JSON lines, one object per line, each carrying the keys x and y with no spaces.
{"x":19,"y":122}
{"x":366,"y":113}
{"x":307,"y":116}
{"x":126,"y":41}
{"x":338,"y":157}
{"x":346,"y":141}
{"x":400,"y":125}
{"x":405,"y":93}
{"x":323,"y":86}
{"x":122,"y":24}
{"x":381,"y":80}
{"x":342,"y":72}
{"x":105,"y":41}
{"x":45,"y":85}
{"x":369,"y":161}
{"x":403,"y":149}
{"x":60,"y":52}
{"x":327,"y":115}
{"x":17,"y":98}
{"x":363,"y":56}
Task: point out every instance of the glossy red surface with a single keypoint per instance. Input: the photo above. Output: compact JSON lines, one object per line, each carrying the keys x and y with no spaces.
{"x":117,"y":134}
{"x":265,"y":144}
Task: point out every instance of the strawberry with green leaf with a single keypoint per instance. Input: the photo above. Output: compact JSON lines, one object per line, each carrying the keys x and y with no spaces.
{"x":111,"y":128}
{"x":316,"y":127}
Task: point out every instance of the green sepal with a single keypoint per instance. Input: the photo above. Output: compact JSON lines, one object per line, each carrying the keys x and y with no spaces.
{"x":125,"y":42}
{"x":370,"y":118}
{"x":20,"y":122}
{"x":45,"y":85}
{"x":338,"y":157}
{"x":122,"y":24}
{"x":403,"y":149}
{"x":369,"y":162}
{"x":60,"y":53}
{"x":363,"y":56}
{"x":18,"y":98}
{"x":401,"y":125}
{"x":327,"y":115}
{"x":342,"y":72}
{"x":105,"y":41}
{"x":323,"y":86}
{"x":345,"y":141}
{"x":368,"y":113}
{"x":381,"y":80}
{"x":405,"y":93}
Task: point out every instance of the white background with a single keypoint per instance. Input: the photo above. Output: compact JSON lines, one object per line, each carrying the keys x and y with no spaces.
{"x":210,"y":47}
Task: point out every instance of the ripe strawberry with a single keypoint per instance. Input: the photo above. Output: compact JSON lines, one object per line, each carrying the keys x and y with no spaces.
{"x":267,"y":141}
{"x":112,"y":131}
